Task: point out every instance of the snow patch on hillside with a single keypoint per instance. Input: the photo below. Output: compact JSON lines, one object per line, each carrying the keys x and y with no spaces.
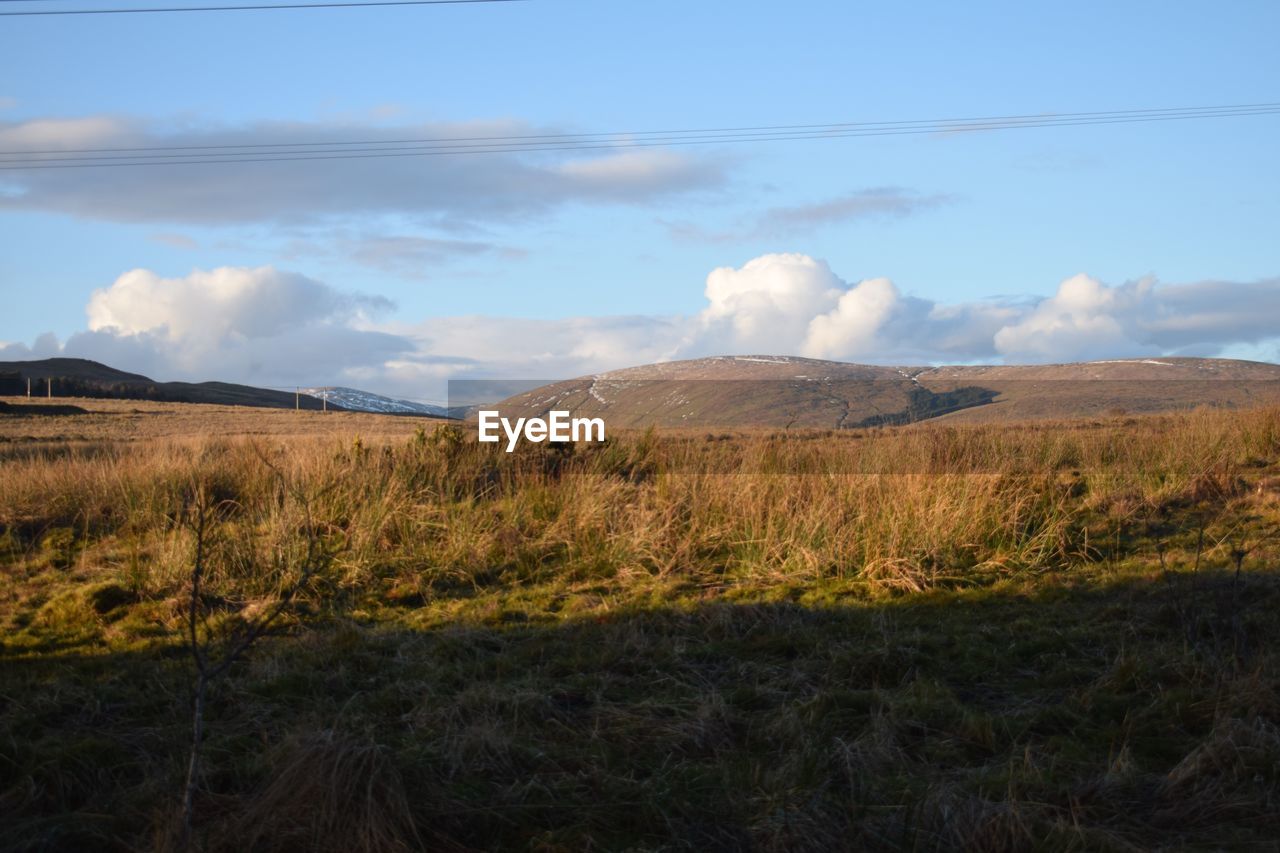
{"x":1133,"y":361}
{"x":365,"y":401}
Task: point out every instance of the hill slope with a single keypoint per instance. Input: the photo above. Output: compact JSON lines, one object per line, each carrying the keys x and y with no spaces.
{"x":355,"y":400}
{"x":1113,"y":386}
{"x":783,"y":391}
{"x":78,"y":377}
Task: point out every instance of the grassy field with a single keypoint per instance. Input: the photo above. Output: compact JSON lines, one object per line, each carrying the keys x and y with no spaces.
{"x":112,"y":422}
{"x":1051,"y":636}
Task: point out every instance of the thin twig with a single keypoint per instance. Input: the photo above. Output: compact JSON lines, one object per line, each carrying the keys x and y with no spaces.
{"x":208,"y":669}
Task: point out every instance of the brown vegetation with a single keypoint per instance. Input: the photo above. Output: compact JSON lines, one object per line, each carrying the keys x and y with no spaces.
{"x":934,"y":637}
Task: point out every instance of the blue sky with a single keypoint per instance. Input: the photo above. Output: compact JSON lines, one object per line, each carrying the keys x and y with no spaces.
{"x":512,"y":262}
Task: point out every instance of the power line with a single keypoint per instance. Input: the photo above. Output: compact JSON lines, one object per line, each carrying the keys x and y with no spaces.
{"x":465,"y":146}
{"x":340,"y":5}
{"x":445,"y":146}
{"x":532,"y":138}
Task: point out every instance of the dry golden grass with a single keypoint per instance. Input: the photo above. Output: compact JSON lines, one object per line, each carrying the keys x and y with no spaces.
{"x":996,"y":637}
{"x":142,"y":420}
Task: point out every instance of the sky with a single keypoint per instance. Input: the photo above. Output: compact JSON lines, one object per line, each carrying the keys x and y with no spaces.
{"x":395,"y":274}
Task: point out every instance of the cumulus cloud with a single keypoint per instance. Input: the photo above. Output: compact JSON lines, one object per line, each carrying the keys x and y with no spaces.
{"x":267,"y":326}
{"x":212,"y":306}
{"x":1083,"y":317}
{"x":44,"y":346}
{"x":769,"y":299}
{"x":445,"y":191}
{"x":854,"y":324}
{"x":241,"y":324}
{"x":795,"y":304}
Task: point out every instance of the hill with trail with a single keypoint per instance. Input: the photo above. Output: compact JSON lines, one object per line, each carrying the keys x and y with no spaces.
{"x":788,"y":391}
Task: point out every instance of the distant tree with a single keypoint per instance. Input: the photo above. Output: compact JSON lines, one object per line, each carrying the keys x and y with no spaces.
{"x":12,"y":383}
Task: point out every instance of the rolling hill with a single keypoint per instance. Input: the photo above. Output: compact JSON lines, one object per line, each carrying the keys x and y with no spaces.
{"x":756,"y":391}
{"x":78,"y":377}
{"x":786,"y":391}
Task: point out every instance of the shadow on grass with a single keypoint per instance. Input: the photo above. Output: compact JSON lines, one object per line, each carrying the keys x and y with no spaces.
{"x":1133,"y":714}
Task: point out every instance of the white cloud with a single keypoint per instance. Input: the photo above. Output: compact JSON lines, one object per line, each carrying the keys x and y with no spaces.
{"x":854,"y":324}
{"x":1083,"y":318}
{"x":265,"y":326}
{"x":1086,"y":317}
{"x":769,"y":300}
{"x":214,"y":305}
{"x":794,"y":304}
{"x":236,"y":324}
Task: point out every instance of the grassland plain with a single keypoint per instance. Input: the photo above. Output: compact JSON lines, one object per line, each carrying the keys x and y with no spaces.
{"x":996,"y":637}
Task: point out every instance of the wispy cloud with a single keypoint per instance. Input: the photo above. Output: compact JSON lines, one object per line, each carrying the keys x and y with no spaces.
{"x":409,"y":256}
{"x":790,"y":220}
{"x":457,"y":189}
{"x":174,"y":240}
{"x":879,"y":202}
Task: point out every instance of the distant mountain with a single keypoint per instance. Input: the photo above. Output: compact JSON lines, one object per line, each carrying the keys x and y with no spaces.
{"x":356,"y":400}
{"x":783,"y":391}
{"x":78,"y":377}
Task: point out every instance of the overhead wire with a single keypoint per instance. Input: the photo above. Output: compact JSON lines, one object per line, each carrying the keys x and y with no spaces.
{"x":273,"y":152}
{"x":347,"y":4}
{"x":630,"y":133}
